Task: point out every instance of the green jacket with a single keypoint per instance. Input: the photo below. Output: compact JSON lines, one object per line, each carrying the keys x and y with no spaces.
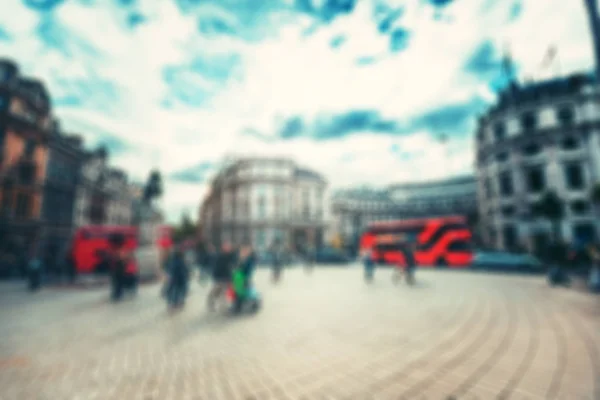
{"x":239,"y":282}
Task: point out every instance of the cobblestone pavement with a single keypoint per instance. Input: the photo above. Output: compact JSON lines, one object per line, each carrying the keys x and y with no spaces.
{"x":325,"y":335}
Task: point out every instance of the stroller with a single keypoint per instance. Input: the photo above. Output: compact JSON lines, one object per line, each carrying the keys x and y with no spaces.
{"x":243,"y":295}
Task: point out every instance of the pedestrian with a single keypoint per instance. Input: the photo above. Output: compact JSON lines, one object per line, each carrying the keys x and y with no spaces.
{"x":369,"y":264}
{"x":410,"y":262}
{"x":277,"y":259}
{"x":34,"y":270}
{"x":246,"y":270}
{"x":557,"y":257}
{"x":594,"y":278}
{"x":207,"y":262}
{"x":309,"y":253}
{"x":222,"y":271}
{"x":117,"y":258}
{"x":178,"y":277}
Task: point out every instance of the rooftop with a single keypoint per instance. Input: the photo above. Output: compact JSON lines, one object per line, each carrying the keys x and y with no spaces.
{"x":520,"y":94}
{"x":307,"y":173}
{"x":463,"y":179}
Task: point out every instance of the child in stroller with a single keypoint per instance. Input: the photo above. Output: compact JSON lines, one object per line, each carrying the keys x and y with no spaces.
{"x":243,"y":293}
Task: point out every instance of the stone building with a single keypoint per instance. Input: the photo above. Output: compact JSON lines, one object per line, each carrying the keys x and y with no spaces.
{"x":104,"y":196}
{"x":539,"y":137}
{"x":260,"y":200}
{"x":66,"y":156}
{"x":25,"y":122}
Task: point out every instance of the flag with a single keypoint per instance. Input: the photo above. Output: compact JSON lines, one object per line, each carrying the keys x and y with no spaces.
{"x":549,"y":56}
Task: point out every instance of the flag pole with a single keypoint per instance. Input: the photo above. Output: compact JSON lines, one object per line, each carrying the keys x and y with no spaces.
{"x":558,"y":66}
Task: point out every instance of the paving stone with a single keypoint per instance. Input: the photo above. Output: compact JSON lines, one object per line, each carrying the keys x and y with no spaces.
{"x":320,"y":336}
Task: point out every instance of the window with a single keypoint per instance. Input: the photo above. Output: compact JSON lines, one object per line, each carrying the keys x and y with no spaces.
{"x":509,"y":236}
{"x":584,"y":233}
{"x":528,"y":121}
{"x":305,"y":196}
{"x":27,"y":173}
{"x":319,"y":194}
{"x":7,"y":195}
{"x":565,"y":116}
{"x":499,"y":131}
{"x":502,"y":157}
{"x":488,"y":189}
{"x":261,"y":206}
{"x":459,"y":246}
{"x":506,"y":184}
{"x":574,"y":176}
{"x":305,"y":212}
{"x":508,"y":211}
{"x":536,"y":179}
{"x":479,"y":135}
{"x":23,"y":208}
{"x":579,"y":207}
{"x":29,"y":148}
{"x":532,"y":149}
{"x":570,"y":143}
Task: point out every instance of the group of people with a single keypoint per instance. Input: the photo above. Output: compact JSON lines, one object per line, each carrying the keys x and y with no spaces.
{"x":408,"y":267}
{"x":225,"y":266}
{"x":563,"y":260}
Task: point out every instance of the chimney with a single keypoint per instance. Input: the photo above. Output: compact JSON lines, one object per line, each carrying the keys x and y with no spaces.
{"x":592,"y":10}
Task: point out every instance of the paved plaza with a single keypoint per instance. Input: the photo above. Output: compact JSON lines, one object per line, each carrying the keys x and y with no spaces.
{"x":326,"y":335}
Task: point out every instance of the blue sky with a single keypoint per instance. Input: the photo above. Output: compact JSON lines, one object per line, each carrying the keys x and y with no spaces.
{"x":358,"y":90}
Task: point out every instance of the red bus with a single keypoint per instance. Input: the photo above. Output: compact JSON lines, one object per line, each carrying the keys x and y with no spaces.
{"x":90,"y":243}
{"x":443,"y":241}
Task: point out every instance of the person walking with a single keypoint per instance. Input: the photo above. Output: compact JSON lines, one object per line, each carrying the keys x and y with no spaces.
{"x":34,"y":270}
{"x":205,"y":261}
{"x":557,"y":257}
{"x":118,"y":258}
{"x":223,"y":268}
{"x":246,"y":270}
{"x":594,"y":278}
{"x":277,"y":254}
{"x":369,"y":264}
{"x":309,"y":254}
{"x":178,"y":273}
{"x":410,"y":262}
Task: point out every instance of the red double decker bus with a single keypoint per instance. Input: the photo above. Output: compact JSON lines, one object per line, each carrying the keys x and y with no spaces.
{"x":443,"y":241}
{"x":90,"y":244}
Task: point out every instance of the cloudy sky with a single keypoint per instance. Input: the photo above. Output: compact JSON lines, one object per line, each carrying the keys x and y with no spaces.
{"x":360,"y":90}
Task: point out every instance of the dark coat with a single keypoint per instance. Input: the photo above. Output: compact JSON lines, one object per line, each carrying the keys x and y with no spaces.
{"x":178,"y":268}
{"x":248,"y":266}
{"x":223,"y":266}
{"x":409,"y":257}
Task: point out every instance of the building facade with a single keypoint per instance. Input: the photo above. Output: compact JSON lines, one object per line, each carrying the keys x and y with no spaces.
{"x":65,"y":159}
{"x":353,"y":209}
{"x":104,"y":195}
{"x":538,"y":138}
{"x":257,"y":201}
{"x":25,"y":122}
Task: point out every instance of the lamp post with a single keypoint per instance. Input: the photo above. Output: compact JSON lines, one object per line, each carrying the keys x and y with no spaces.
{"x":592,"y":11}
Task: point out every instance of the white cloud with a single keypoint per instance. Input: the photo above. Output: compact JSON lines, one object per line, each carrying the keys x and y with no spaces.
{"x":287,"y":74}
